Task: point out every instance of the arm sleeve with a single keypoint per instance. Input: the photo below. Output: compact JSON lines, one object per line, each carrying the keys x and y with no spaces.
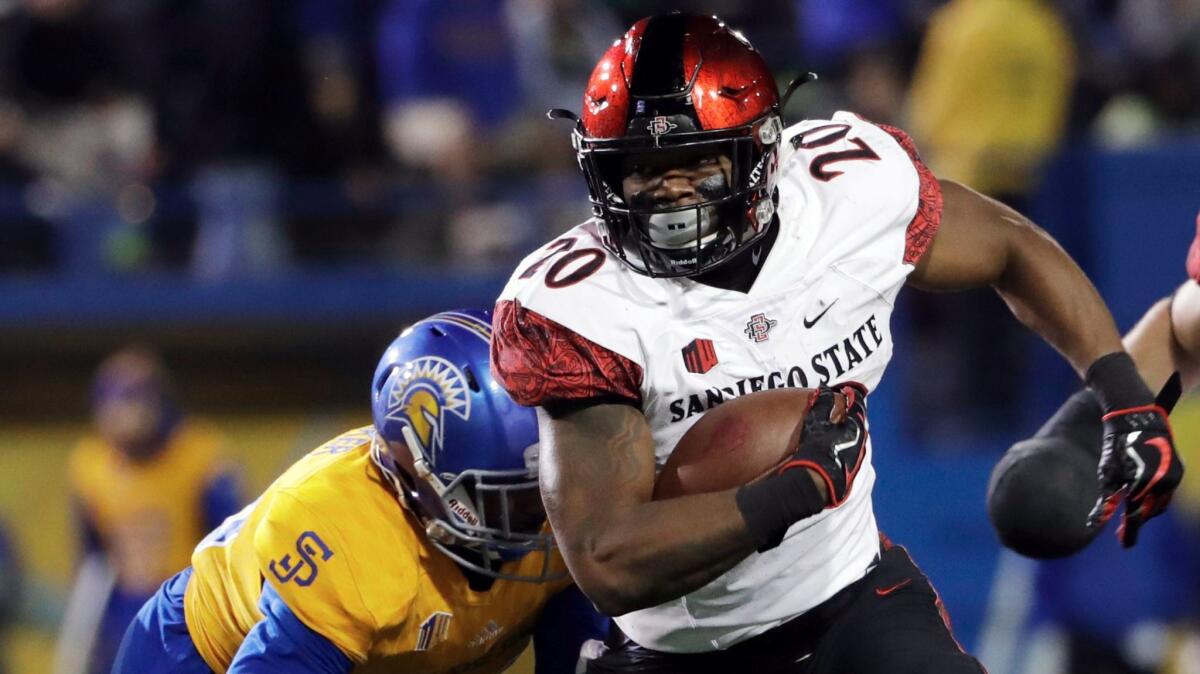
{"x":567,"y":621}
{"x":539,"y":361}
{"x":1078,"y":420}
{"x":280,"y":643}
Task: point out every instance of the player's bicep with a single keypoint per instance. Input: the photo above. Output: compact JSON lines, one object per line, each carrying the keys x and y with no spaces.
{"x":280,"y":643}
{"x":972,"y":243}
{"x":595,"y":459}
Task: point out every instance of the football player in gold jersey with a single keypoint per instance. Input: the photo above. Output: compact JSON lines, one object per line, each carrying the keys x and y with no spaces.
{"x":418,"y":544}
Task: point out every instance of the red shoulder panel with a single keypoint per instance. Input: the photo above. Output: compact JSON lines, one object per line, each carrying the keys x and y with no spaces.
{"x":928,"y":217}
{"x":539,"y":361}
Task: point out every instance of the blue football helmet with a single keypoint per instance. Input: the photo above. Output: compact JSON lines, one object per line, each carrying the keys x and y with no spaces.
{"x":458,"y":450}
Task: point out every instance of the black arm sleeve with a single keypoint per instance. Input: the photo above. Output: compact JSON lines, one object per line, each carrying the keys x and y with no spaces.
{"x":1043,"y":488}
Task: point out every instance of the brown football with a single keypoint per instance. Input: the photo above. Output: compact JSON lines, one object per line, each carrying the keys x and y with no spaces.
{"x":735,"y":443}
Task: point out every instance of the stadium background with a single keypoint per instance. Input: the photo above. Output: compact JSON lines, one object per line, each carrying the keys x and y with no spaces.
{"x":266,"y":191}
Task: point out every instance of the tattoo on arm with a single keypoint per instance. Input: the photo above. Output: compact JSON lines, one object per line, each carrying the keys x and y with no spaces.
{"x":625,"y":550}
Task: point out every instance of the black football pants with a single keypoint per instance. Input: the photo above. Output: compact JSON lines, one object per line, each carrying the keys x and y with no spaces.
{"x":890,"y":622}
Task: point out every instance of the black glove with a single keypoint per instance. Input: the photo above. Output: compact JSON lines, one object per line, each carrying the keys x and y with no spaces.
{"x":833,"y":443}
{"x":1138,"y":462}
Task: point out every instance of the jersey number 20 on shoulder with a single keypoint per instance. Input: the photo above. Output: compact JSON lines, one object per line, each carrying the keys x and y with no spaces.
{"x":558,"y":276}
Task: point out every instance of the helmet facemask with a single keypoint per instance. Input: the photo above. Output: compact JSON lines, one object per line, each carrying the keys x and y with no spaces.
{"x":735,"y":208}
{"x":675,"y":85}
{"x":479,"y":518}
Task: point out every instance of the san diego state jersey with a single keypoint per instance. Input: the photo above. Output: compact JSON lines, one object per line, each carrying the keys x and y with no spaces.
{"x":857,"y":209}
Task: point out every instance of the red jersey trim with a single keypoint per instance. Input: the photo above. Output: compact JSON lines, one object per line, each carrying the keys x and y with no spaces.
{"x":539,"y":361}
{"x":928,"y":218}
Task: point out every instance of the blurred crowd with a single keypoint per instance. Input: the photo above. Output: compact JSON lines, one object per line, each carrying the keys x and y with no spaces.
{"x":223,"y":138}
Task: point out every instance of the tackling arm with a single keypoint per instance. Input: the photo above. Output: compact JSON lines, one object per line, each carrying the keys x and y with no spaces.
{"x":625,"y":551}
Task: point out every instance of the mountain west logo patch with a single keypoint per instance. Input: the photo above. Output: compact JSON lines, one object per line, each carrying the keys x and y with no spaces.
{"x":758,"y":327}
{"x":434,"y":630}
{"x":699,"y":356}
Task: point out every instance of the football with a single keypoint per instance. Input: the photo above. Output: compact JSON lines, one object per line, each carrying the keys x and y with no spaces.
{"x":735,"y":443}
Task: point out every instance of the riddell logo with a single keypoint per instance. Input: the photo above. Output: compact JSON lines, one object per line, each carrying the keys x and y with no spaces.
{"x":699,"y":356}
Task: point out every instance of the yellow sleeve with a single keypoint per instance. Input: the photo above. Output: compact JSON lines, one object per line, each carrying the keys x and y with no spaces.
{"x":308,"y":562}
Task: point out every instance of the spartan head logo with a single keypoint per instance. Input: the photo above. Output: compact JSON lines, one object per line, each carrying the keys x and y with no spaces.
{"x":431,"y":387}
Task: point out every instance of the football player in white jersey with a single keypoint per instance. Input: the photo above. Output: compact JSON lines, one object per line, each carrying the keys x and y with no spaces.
{"x":729,"y":255}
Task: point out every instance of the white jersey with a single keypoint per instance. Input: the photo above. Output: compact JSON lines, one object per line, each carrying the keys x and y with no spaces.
{"x":856,"y":210}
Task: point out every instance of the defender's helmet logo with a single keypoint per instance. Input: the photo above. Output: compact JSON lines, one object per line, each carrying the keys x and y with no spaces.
{"x":430,"y":388}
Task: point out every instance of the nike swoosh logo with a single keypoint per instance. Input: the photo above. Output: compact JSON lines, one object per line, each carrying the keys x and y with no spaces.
{"x":885,"y":591}
{"x":754,"y":255}
{"x":808,"y":323}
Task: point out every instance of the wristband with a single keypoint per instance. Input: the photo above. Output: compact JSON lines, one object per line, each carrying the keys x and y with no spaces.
{"x":1115,"y":380}
{"x":772,"y":505}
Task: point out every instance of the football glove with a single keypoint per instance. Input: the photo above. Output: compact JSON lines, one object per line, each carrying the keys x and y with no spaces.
{"x":1138,"y":464}
{"x":1138,"y":461}
{"x":832,"y":446}
{"x":833,"y":443}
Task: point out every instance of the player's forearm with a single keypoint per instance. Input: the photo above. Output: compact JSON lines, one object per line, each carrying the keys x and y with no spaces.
{"x":644,"y":555}
{"x":1048,"y":292}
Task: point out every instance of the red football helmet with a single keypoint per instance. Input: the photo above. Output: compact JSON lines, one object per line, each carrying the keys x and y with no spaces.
{"x":682,"y":85}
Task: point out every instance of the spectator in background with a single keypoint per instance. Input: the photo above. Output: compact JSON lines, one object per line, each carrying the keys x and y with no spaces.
{"x":860,"y":45}
{"x":27,"y":242}
{"x":10,"y":590}
{"x":1160,"y":46}
{"x":449,"y":86}
{"x":988,"y":107}
{"x":148,"y":484}
{"x":70,"y":116}
{"x":990,"y":94}
{"x":233,"y":121}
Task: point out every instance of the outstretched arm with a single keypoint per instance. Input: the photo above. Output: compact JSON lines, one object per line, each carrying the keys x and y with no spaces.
{"x":983,"y":242}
